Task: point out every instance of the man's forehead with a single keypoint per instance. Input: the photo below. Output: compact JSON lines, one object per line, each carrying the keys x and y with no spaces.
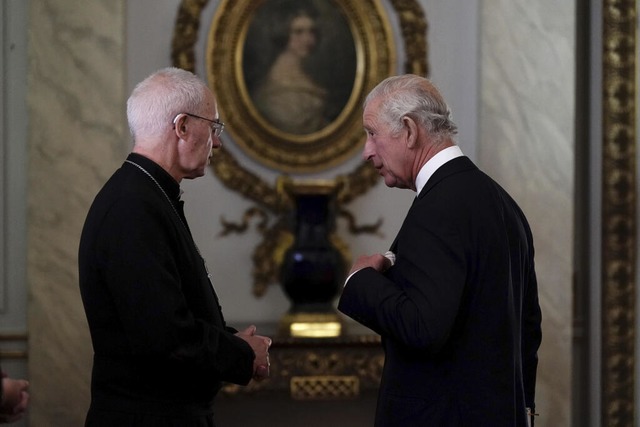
{"x":370,"y":114}
{"x":211,"y":103}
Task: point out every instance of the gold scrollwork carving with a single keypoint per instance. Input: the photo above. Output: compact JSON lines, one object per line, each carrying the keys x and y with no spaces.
{"x":325,"y":387}
{"x":237,"y":178}
{"x":315,"y":363}
{"x":619,"y":228}
{"x":413,"y":25}
{"x":347,"y":356}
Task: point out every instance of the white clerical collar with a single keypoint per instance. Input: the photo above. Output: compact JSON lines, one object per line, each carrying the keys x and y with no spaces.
{"x":434,"y":163}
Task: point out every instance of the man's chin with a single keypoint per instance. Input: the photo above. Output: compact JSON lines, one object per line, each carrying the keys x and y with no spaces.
{"x":389,"y":182}
{"x":196,"y":173}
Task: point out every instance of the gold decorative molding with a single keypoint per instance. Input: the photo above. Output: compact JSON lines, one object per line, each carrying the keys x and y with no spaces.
{"x":324,"y":387}
{"x":18,"y":336}
{"x":14,"y":354}
{"x":413,"y":26}
{"x":237,"y":177}
{"x":619,"y":216}
{"x":320,"y":368}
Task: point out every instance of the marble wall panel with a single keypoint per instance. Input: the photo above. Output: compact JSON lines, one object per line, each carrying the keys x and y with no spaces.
{"x":526,"y":144}
{"x":75,"y":100}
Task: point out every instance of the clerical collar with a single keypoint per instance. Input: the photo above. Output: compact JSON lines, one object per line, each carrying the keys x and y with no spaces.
{"x":169,"y":185}
{"x":434,"y":163}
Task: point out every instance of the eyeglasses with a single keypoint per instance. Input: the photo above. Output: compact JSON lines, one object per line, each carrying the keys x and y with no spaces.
{"x":217,"y":127}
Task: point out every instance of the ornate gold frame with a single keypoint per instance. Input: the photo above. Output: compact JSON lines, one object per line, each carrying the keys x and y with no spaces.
{"x":286,"y":152}
{"x":269,"y":197}
{"x":619,"y":216}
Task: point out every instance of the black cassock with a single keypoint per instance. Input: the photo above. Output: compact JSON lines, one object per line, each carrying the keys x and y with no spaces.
{"x":161,"y":345}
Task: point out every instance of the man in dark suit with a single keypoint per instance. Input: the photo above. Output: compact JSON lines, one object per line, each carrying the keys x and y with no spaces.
{"x":161,"y":346}
{"x":455,"y":300}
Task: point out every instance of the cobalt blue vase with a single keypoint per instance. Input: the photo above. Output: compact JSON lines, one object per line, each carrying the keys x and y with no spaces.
{"x":313,"y":269}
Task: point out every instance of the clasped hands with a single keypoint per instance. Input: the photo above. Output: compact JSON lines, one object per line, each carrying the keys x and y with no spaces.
{"x":260,"y":346}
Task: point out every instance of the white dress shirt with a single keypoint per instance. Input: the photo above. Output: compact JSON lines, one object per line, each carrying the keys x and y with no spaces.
{"x":434,"y":163}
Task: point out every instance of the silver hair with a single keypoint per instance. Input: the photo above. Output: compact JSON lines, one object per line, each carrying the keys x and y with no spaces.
{"x":415,"y":97}
{"x":156,"y":100}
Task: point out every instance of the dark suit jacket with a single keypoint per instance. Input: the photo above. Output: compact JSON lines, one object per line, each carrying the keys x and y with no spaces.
{"x":458,"y":313}
{"x":161,"y":345}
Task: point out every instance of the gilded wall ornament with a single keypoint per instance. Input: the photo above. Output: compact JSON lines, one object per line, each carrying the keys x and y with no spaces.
{"x":619,"y":211}
{"x":361,"y":37}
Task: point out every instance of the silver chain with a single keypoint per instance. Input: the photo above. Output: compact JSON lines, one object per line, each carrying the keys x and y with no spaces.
{"x":146,"y":172}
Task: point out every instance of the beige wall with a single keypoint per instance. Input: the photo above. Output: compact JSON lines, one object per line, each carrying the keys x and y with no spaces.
{"x":527,"y":144}
{"x":77,"y":89}
{"x":77,"y":138}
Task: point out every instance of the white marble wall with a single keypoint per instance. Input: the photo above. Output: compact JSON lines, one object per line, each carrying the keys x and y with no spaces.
{"x":526,"y":143}
{"x":77,"y":137}
{"x":79,"y":80}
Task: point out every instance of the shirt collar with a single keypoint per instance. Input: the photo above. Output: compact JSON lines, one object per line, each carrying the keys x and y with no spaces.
{"x":166,"y":181}
{"x":434,"y":163}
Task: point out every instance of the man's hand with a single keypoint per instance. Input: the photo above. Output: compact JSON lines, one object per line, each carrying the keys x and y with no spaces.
{"x":260,"y":346}
{"x":15,"y":399}
{"x":378,"y":262}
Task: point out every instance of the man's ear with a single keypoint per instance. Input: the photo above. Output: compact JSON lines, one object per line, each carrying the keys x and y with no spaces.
{"x":412,"y":131}
{"x":180,"y":125}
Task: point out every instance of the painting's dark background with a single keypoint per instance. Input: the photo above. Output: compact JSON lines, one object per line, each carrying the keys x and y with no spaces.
{"x":332,"y":65}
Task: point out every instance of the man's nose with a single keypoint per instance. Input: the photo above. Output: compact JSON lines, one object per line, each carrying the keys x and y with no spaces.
{"x":216,"y":142}
{"x":367,"y":152}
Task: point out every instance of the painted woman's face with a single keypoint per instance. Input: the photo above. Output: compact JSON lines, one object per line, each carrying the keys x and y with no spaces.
{"x":302,"y":38}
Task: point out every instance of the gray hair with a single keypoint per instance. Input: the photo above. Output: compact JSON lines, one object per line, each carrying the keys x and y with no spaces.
{"x":156,"y":100}
{"x":415,"y":97}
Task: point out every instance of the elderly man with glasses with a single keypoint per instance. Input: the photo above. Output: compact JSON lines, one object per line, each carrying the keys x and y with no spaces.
{"x":161,"y":345}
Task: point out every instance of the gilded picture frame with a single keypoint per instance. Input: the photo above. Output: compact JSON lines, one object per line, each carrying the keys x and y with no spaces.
{"x":619,"y":250}
{"x":291,"y":97}
{"x":375,"y":52}
{"x":412,"y":40}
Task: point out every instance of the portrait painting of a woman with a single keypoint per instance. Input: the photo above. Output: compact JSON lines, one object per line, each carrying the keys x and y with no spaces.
{"x":297,"y":70}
